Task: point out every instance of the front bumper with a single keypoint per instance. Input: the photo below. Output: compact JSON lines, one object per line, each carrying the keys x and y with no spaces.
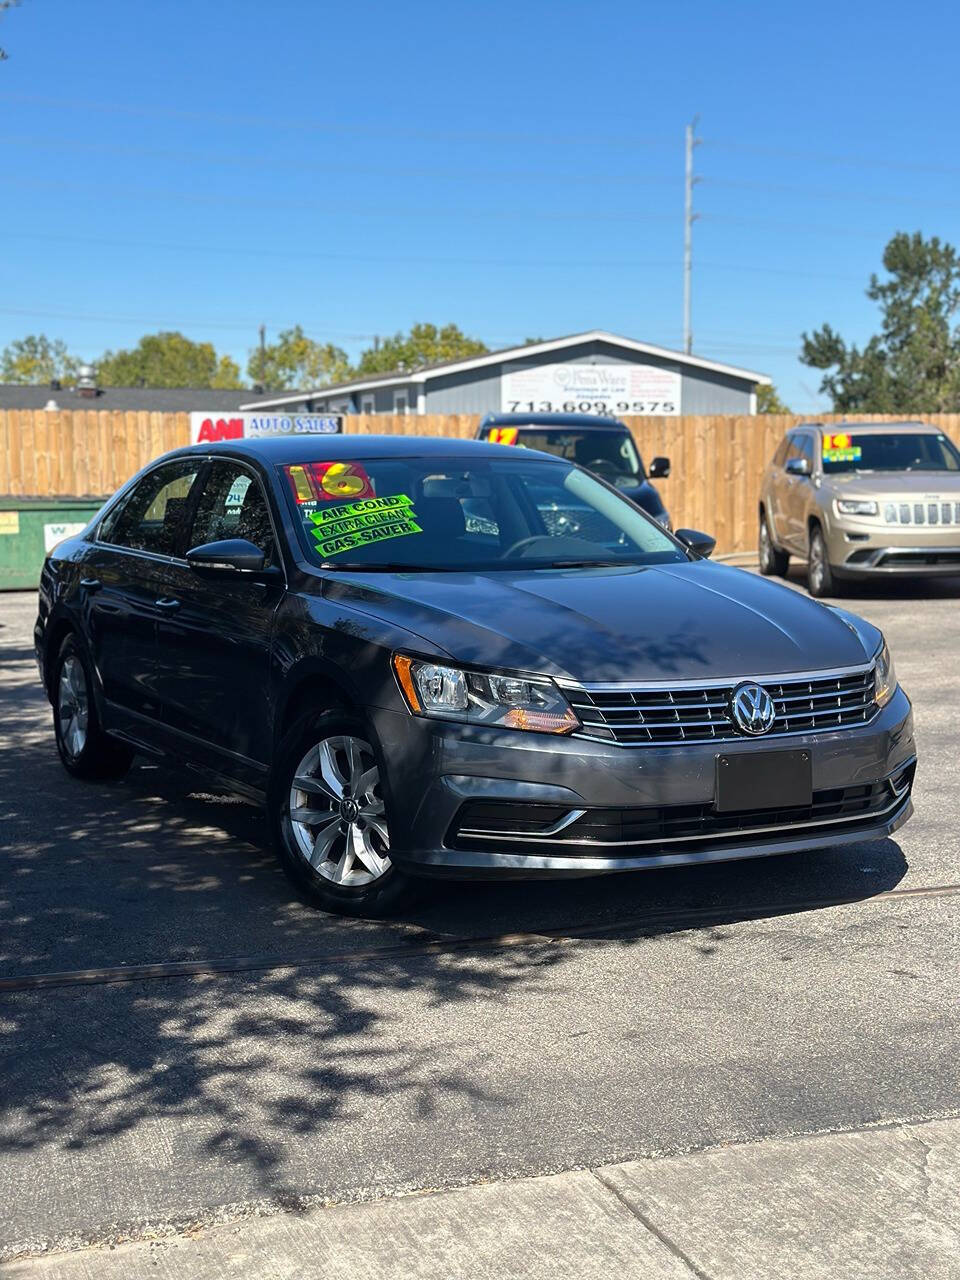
{"x":862,"y":547}
{"x":434,"y":770}
{"x":897,"y":561}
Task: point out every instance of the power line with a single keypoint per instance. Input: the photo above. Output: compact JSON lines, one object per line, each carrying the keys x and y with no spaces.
{"x":393,"y":259}
{"x":376,"y":131}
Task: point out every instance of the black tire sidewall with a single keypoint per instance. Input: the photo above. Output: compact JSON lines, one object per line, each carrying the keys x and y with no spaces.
{"x":101,"y":756}
{"x":766,"y":564}
{"x":827,"y":586}
{"x":375,"y":900}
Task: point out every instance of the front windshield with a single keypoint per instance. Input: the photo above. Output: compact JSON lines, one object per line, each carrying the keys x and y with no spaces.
{"x":911,"y":451}
{"x":467,"y":513}
{"x":611,"y":454}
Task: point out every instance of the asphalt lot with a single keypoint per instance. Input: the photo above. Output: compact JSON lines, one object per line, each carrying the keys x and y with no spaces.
{"x":702,"y":1006}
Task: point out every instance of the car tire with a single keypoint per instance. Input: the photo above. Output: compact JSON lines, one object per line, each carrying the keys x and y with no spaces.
{"x":773,"y":561}
{"x":820,"y":576}
{"x":337,"y":855}
{"x":85,"y":750}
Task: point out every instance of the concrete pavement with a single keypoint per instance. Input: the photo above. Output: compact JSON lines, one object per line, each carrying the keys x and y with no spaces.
{"x":713,"y":1005}
{"x":879,"y":1204}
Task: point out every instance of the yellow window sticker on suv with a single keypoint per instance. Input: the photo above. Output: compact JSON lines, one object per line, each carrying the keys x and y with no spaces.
{"x":839,"y":447}
{"x":357,"y":524}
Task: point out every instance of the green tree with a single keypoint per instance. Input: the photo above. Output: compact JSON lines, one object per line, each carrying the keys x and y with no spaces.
{"x":424,"y":344}
{"x":913,"y":364}
{"x":168,"y":360}
{"x":768,"y":401}
{"x":36,"y":359}
{"x":296,"y":363}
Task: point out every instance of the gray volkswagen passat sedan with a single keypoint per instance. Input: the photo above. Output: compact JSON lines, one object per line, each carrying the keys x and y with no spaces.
{"x":402,"y":648}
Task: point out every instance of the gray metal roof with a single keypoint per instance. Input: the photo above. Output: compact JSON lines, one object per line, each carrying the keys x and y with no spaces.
{"x":149,"y":399}
{"x":531,"y":350}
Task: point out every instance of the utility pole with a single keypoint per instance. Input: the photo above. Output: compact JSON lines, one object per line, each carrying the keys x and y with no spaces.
{"x":689,"y":218}
{"x":263,"y":353}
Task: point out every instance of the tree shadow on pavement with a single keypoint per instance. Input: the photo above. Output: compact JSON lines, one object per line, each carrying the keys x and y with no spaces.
{"x":249,"y":1069}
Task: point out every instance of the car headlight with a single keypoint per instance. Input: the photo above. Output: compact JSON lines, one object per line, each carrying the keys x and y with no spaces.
{"x":856,"y":507}
{"x":885,"y":678}
{"x":480,"y":697}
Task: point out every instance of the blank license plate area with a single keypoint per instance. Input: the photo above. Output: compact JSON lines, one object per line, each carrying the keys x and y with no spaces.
{"x":763,"y":780}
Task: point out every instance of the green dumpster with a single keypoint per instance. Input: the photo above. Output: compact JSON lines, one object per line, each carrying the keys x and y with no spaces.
{"x":30,"y":527}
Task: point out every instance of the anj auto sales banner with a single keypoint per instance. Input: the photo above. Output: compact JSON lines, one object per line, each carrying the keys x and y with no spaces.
{"x":206,"y":427}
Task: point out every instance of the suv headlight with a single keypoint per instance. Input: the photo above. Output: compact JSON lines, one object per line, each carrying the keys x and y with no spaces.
{"x":885,"y":678}
{"x":479,"y":697}
{"x":856,"y":507}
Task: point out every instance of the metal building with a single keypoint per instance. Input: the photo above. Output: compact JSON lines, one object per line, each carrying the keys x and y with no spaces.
{"x":594,"y":372}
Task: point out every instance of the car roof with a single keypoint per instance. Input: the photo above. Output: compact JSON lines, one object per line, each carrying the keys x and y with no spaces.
{"x":311,"y":447}
{"x":872,"y":428}
{"x":580,"y":420}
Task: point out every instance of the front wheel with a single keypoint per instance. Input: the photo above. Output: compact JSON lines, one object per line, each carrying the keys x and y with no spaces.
{"x":820,"y":578}
{"x":772,"y":559}
{"x":85,"y":750}
{"x":329,"y":821}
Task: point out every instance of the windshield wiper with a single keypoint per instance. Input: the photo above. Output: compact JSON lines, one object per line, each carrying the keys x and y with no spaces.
{"x":586,"y":564}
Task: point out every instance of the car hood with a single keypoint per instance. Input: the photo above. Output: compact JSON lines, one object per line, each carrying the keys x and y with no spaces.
{"x":688,"y":621}
{"x":924,"y":484}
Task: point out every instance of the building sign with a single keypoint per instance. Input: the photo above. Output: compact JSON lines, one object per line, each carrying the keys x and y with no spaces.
{"x":207,"y":427}
{"x":590,"y":388}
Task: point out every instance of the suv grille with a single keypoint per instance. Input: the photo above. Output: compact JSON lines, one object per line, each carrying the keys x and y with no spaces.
{"x":922,"y":513}
{"x":633,"y":717}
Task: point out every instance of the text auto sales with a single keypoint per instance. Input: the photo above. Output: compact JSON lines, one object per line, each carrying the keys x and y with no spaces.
{"x":206,"y":428}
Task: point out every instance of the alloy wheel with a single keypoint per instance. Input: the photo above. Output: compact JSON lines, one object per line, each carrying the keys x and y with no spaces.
{"x":765,"y":548}
{"x":816,"y":564}
{"x":337,"y":812}
{"x":73,"y":706}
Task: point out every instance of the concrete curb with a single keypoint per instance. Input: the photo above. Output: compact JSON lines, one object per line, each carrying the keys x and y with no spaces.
{"x":881,"y":1204}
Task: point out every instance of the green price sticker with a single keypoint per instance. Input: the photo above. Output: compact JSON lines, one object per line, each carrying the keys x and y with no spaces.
{"x":357,"y":524}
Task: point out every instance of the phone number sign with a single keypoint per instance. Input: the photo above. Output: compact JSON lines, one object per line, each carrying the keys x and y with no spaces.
{"x":205,"y":428}
{"x":590,"y":388}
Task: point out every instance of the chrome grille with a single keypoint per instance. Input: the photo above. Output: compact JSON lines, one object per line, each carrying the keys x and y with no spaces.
{"x":636,"y":716}
{"x":920,"y":513}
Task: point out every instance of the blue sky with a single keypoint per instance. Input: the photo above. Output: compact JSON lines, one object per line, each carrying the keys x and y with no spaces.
{"x":516,"y":168}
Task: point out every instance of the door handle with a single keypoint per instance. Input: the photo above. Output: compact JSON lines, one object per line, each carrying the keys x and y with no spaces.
{"x":167,"y":604}
{"x":91,"y":584}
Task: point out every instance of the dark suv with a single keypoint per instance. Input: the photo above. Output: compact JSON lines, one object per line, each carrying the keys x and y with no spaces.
{"x":442,"y":657}
{"x":601,"y":445}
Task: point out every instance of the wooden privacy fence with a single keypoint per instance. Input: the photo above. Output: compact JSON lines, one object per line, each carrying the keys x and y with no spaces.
{"x":716,"y":462}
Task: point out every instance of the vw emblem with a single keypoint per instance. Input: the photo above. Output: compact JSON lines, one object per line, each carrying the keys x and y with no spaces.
{"x":753,"y":709}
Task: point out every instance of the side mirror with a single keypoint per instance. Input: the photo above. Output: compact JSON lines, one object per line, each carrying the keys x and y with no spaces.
{"x":797,"y":466}
{"x":233,"y":555}
{"x":701,"y":544}
{"x":659,"y":468}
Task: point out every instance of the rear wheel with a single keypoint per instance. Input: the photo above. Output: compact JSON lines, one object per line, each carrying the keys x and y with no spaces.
{"x":772,"y":560}
{"x":329,"y":821}
{"x":820,"y":577}
{"x":85,"y":750}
